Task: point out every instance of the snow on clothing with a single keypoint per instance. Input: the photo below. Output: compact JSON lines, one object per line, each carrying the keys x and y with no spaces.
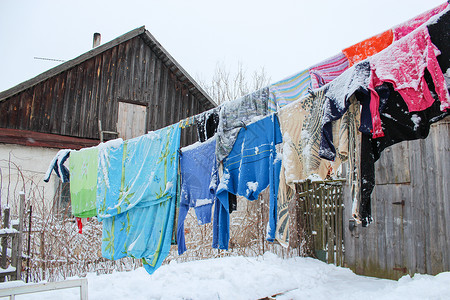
{"x":369,"y":47}
{"x":198,"y":168}
{"x":301,"y":127}
{"x":403,"y":64}
{"x":399,"y":125}
{"x":234,"y":115}
{"x":285,"y":196}
{"x":288,"y":90}
{"x":136,"y":196}
{"x":407,"y":27}
{"x":57,"y":165}
{"x":440,"y":37}
{"x":83,"y":166}
{"x":251,"y":166}
{"x":207,"y":124}
{"x":327,"y":70}
{"x":336,"y":103}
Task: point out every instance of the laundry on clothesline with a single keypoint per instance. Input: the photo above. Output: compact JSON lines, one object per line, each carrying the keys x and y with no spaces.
{"x":251,"y":166}
{"x":199,"y":179}
{"x":136,"y":196}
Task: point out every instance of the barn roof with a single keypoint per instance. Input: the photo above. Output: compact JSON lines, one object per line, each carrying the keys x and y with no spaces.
{"x":149,"y":39}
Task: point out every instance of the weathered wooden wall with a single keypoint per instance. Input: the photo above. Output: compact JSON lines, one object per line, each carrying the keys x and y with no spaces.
{"x":72,"y":102}
{"x":411,"y":211}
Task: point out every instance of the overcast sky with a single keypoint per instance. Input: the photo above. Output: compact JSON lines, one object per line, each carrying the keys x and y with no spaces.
{"x":283,"y":36}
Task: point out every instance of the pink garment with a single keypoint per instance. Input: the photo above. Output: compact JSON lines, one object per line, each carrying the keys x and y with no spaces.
{"x":407,"y":27}
{"x":403,"y":64}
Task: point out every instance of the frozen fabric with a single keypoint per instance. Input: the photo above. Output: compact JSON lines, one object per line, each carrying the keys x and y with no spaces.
{"x":399,"y":125}
{"x":403,"y":64}
{"x":207,"y":124}
{"x":288,"y":90}
{"x":198,"y":168}
{"x":136,"y":196}
{"x":336,"y":103}
{"x":83,"y":167}
{"x":285,"y":196}
{"x":407,"y":27}
{"x":369,"y":47}
{"x":301,"y":127}
{"x":440,"y":37}
{"x":236,"y":114}
{"x":326,"y":71}
{"x":57,"y":165}
{"x":251,"y":166}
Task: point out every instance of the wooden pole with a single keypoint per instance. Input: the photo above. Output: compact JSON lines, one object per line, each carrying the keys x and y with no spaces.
{"x":4,"y":242}
{"x":16,"y":256}
{"x":29,"y":242}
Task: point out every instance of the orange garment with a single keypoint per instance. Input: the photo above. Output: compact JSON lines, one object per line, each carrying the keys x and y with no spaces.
{"x":369,"y":47}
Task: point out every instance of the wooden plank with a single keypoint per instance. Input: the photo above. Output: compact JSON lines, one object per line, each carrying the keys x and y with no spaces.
{"x":4,"y":242}
{"x":441,"y":132}
{"x":171,"y":101}
{"x":149,"y":88}
{"x":431,"y":160}
{"x":418,"y":203}
{"x":163,"y":121}
{"x":37,"y":139}
{"x":16,"y":259}
{"x":156,"y":95}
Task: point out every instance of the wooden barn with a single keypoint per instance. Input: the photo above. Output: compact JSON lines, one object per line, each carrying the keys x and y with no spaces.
{"x":124,"y":88}
{"x":411,"y":211}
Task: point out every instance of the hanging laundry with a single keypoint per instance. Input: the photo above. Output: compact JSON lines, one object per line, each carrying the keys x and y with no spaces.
{"x":57,"y":165}
{"x":403,"y":64}
{"x":399,"y":125}
{"x":198,"y":168}
{"x":285,"y":196}
{"x":369,"y":47}
{"x":407,"y":27}
{"x":83,"y":166}
{"x":234,"y":115}
{"x":252,"y":165}
{"x":288,"y":90}
{"x":328,"y":70}
{"x":336,"y":102}
{"x":80,"y":223}
{"x":136,"y":196}
{"x":440,"y":37}
{"x":301,"y":127}
{"x":207,"y":124}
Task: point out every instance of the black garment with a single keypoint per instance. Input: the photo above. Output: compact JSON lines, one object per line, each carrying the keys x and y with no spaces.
{"x":207,"y":125}
{"x":398,"y":125}
{"x":440,"y":37}
{"x":232,"y":202}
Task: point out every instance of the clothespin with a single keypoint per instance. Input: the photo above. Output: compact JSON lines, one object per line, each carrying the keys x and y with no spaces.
{"x":243,"y":125}
{"x":179,"y":152}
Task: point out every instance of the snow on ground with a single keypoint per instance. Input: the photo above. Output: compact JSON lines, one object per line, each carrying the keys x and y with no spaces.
{"x":252,"y":278}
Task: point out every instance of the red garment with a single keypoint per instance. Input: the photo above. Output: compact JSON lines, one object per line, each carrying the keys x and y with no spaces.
{"x":80,"y":223}
{"x":369,"y":47}
{"x":403,"y":64}
{"x":407,"y":27}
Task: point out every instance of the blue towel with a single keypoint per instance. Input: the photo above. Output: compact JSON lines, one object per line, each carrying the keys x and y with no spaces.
{"x":198,"y":170}
{"x":136,"y":196}
{"x":249,"y":168}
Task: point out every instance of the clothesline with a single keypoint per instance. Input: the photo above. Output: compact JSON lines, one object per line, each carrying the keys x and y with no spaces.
{"x":315,"y":133}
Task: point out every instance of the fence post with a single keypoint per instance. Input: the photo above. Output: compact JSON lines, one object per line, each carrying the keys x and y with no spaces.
{"x":5,"y":242}
{"x":16,"y":255}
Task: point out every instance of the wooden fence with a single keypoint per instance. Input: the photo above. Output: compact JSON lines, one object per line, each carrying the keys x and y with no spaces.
{"x":319,"y":218}
{"x":11,"y":236}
